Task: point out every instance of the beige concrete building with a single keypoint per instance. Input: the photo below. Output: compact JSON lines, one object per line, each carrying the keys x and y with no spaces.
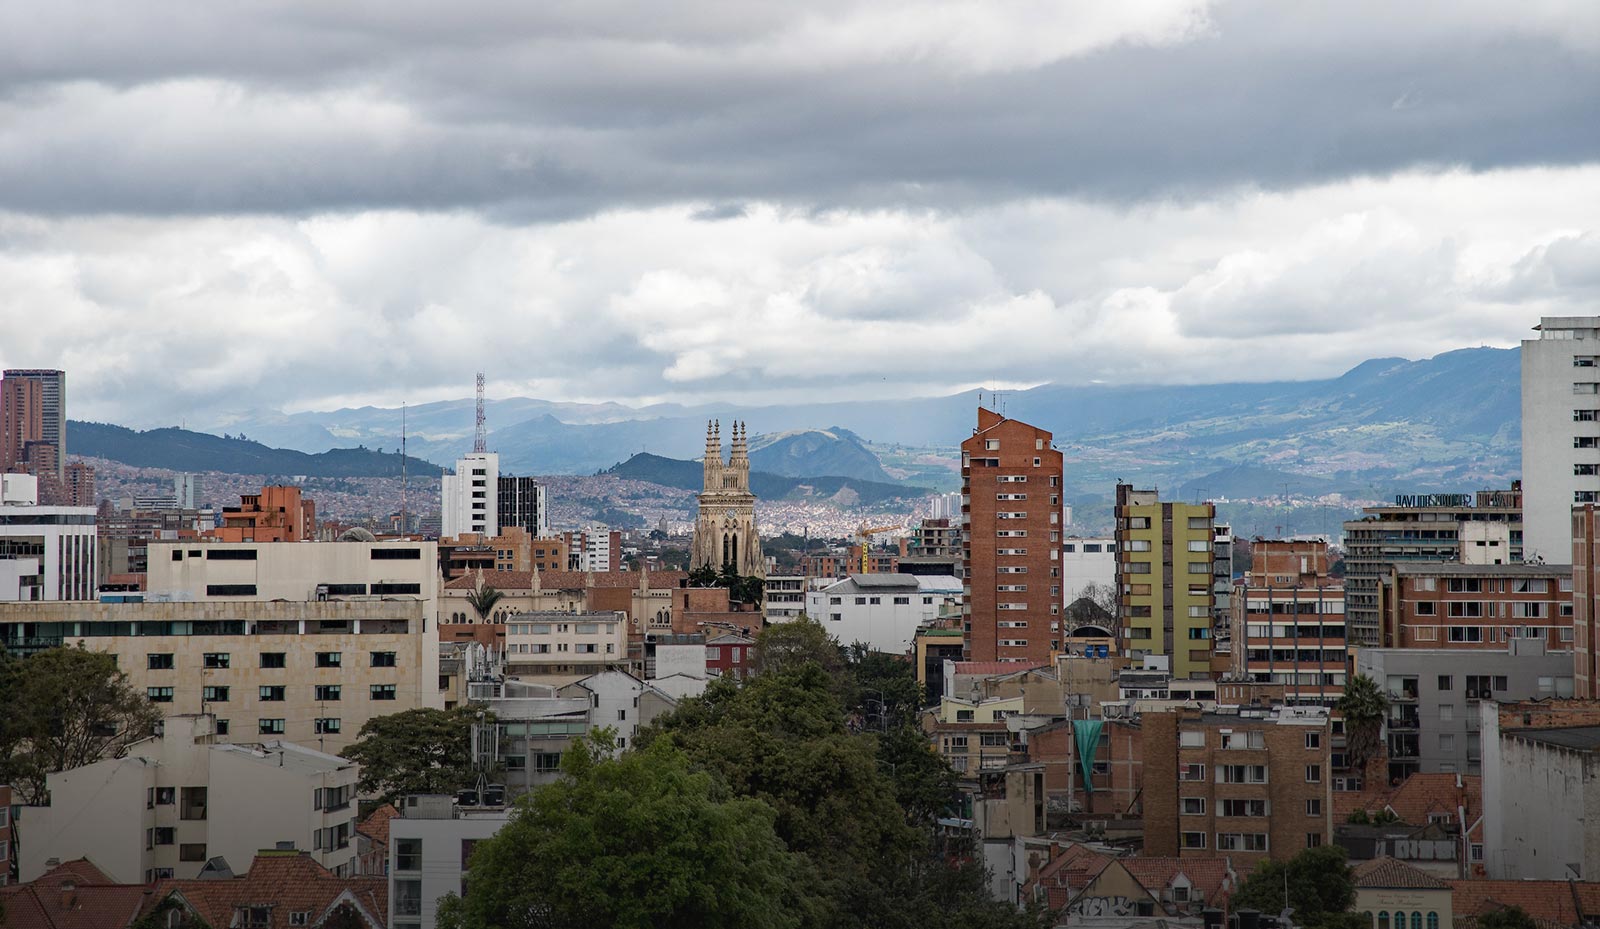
{"x":180,"y":798}
{"x":560,"y":648}
{"x":235,"y":571}
{"x":310,"y":673}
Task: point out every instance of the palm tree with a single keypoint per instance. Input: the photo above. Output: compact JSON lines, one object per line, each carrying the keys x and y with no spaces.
{"x":1364,"y":706}
{"x":483,"y":598}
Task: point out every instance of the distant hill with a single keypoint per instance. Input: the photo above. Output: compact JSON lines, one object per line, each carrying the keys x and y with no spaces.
{"x":687,"y":475}
{"x":817,"y":451}
{"x":182,"y":450}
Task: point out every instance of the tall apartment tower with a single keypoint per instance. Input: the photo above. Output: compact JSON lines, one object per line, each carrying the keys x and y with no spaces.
{"x":1560,"y":432}
{"x":469,"y":496}
{"x":52,"y":400}
{"x":1165,"y":579}
{"x":1011,"y":558}
{"x":521,"y":502}
{"x":21,"y":421}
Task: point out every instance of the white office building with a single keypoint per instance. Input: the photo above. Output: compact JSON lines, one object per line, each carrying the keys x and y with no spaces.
{"x":430,"y":843}
{"x":1560,"y":432}
{"x":1086,"y":561}
{"x":881,"y":611}
{"x":46,"y":552}
{"x":178,"y":799}
{"x":470,"y":496}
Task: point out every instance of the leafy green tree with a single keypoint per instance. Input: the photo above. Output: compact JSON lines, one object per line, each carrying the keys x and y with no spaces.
{"x":483,"y":600}
{"x":421,"y":751}
{"x":783,"y":647}
{"x":1508,"y":917}
{"x":1364,"y":707}
{"x":636,"y":842}
{"x":1318,"y":884}
{"x":924,"y":785}
{"x":65,"y":708}
{"x":881,"y":685}
{"x":703,"y":576}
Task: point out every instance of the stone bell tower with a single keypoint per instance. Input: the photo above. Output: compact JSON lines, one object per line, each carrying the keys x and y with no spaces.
{"x":725,"y":531}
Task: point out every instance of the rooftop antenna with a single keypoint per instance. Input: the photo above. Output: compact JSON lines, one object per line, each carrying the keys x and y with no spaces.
{"x":480,"y":443}
{"x":405,"y":523}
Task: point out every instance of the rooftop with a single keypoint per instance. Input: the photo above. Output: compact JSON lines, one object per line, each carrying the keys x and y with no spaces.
{"x":1454,"y":569}
{"x":1389,"y":873}
{"x":280,"y":754}
{"x":1576,"y":738}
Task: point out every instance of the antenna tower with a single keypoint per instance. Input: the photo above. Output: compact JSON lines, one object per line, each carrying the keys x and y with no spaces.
{"x":479,"y":440}
{"x":405,"y":523}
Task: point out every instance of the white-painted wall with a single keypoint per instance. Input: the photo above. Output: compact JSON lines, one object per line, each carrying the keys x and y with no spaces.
{"x":884,"y":626}
{"x":1548,"y":431}
{"x":460,"y":512}
{"x":1080,"y":568}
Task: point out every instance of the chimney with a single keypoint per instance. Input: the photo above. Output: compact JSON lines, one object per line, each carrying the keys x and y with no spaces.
{"x":69,"y":893}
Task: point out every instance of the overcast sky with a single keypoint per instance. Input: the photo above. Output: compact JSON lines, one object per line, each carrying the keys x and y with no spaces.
{"x":208,"y":208}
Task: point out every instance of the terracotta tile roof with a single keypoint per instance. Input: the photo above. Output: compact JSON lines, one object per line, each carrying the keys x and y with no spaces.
{"x":96,"y":902}
{"x":286,"y":882}
{"x":565,"y":580}
{"x":1067,"y":874}
{"x":1211,"y":878}
{"x":1393,"y":873}
{"x":376,"y":825}
{"x":1552,"y":904}
{"x":1417,"y":798}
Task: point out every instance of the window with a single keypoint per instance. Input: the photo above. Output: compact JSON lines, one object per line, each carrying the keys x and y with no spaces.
{"x":1241,"y":807}
{"x":1194,"y":840}
{"x":231,"y":554}
{"x":964,"y":716}
{"x":1425,"y":608}
{"x":1313,"y":740}
{"x":383,"y":659}
{"x":165,"y":796}
{"x":192,"y":852}
{"x":395,"y":589}
{"x":214,"y":694}
{"x":1313,"y":839}
{"x":217,"y":660}
{"x":1241,"y":842}
{"x":329,"y":659}
{"x":159,"y":694}
{"x":397,"y":554}
{"x":1193,"y":806}
{"x":230,"y":590}
{"x":1466,"y":633}
{"x":272,"y":660}
{"x":193,"y":806}
{"x":166,"y":835}
{"x":328,"y":693}
{"x":1314,"y":806}
{"x":1446,"y":682}
{"x":269,"y":726}
{"x":272,"y":693}
{"x":1191,"y":772}
{"x":1447,"y":742}
{"x":1313,"y":774}
{"x":383,"y":692}
{"x":408,"y":854}
{"x":300,"y":918}
{"x":1241,"y":774}
{"x":159,"y":661}
{"x":1242,"y":740}
{"x":222,"y":727}
{"x":327,"y":725}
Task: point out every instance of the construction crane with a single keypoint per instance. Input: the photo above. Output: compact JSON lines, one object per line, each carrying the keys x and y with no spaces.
{"x":865,"y":534}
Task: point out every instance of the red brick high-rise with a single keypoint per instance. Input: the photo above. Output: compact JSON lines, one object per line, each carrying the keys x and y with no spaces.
{"x":21,"y":420}
{"x":1011,"y":498}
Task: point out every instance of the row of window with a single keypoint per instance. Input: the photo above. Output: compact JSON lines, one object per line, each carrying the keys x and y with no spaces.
{"x":1196,"y":806}
{"x":561,"y":628}
{"x":1229,"y":739}
{"x":273,"y":693}
{"x":165,"y":661}
{"x":543,"y":648}
{"x":875,"y":601}
{"x":1239,"y":841}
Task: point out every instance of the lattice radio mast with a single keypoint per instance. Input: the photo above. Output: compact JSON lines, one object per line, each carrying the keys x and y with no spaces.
{"x":479,"y":439}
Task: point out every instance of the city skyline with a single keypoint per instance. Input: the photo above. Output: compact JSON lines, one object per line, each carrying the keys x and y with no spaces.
{"x":785,"y":203}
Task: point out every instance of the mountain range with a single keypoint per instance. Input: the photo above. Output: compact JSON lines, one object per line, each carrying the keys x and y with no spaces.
{"x":688,"y":475}
{"x":1448,"y":422}
{"x":182,"y":450}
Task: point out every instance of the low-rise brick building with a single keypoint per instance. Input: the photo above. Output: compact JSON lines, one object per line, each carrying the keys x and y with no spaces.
{"x":1249,"y":784}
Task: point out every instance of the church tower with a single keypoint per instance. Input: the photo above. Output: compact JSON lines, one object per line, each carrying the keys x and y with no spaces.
{"x":725,"y":530}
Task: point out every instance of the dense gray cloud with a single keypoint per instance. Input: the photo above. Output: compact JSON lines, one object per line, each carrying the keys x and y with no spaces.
{"x":206,"y":208}
{"x":560,"y":109}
